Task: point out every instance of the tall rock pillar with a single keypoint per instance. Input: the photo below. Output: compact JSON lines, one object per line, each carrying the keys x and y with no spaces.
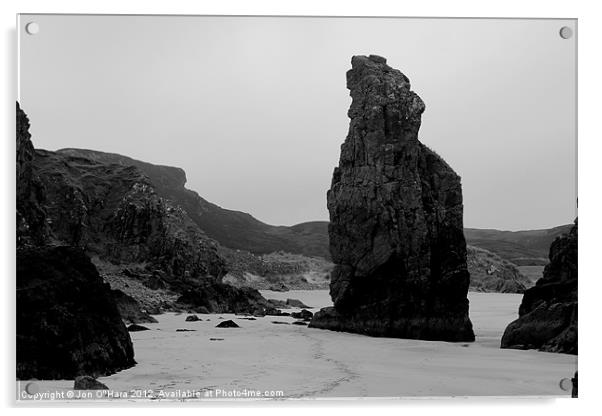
{"x":396,"y":231}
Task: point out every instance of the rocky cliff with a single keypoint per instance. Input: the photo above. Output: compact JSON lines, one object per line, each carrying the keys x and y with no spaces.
{"x":67,"y":322}
{"x":396,"y":234}
{"x":548,"y":312}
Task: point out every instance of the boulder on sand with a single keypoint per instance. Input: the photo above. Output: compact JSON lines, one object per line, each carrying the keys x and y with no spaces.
{"x":192,"y":318}
{"x":227,"y":324}
{"x":304,"y":315}
{"x":88,"y":383}
{"x":137,"y":328}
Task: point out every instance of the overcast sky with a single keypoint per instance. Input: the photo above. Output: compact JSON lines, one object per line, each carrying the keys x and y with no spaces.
{"x":255,"y":109}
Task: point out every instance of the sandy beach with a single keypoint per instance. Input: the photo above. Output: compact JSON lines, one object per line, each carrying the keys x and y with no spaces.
{"x":266,"y":360}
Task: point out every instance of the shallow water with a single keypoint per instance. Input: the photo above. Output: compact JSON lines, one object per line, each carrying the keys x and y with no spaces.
{"x":285,"y":360}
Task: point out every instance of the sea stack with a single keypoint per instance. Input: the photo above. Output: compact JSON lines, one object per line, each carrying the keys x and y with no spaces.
{"x":396,"y":232}
{"x":548,"y":312}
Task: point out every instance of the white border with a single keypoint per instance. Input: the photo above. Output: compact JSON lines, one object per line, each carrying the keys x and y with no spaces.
{"x":590,"y":71}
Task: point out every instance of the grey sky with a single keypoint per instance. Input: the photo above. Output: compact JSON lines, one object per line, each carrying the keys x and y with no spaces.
{"x":255,"y":109}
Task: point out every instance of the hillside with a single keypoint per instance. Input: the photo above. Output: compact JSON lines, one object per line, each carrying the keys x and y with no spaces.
{"x":233,"y":229}
{"x":244,"y":241}
{"x":137,"y":233}
{"x":523,"y":248}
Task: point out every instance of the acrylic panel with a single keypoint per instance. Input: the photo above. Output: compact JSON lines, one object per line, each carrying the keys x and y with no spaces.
{"x":251,"y":208}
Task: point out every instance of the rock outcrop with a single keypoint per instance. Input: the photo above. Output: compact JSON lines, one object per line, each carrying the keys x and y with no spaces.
{"x":124,"y":216}
{"x":548,"y":312}
{"x":212,"y":297}
{"x":67,"y":323}
{"x":129,"y":309}
{"x":227,"y":324}
{"x":277,"y":271}
{"x":31,"y":217}
{"x":113,"y":211}
{"x":490,"y":273}
{"x":396,"y":234}
{"x":88,"y":383}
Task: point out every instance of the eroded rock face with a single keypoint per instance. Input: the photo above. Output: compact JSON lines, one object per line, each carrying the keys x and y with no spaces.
{"x":396,"y":232}
{"x":548,"y":312}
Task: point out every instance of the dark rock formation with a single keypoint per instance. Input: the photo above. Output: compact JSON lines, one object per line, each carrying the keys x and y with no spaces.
{"x":137,"y":328}
{"x":88,"y":383}
{"x":270,"y":311}
{"x":210,"y":296}
{"x":31,"y":217}
{"x":296,"y":303}
{"x":276,"y":303}
{"x":396,"y":234}
{"x":192,"y":318}
{"x":130,"y":309}
{"x":227,"y":324}
{"x":548,"y":312}
{"x":304,"y":315}
{"x":67,"y":322}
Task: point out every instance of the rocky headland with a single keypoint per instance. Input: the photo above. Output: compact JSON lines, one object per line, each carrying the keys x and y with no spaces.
{"x":548,"y":312}
{"x":396,"y":233}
